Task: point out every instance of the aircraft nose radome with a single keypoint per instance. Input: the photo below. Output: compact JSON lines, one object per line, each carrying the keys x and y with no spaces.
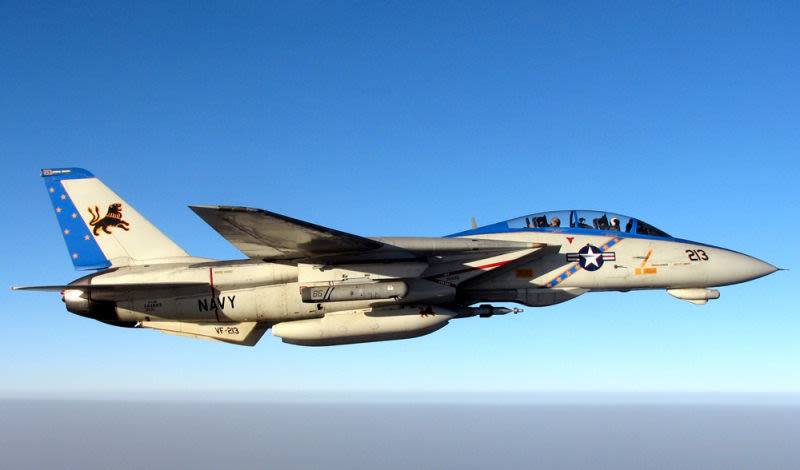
{"x":749,"y":268}
{"x":730,"y":267}
{"x":760,"y":268}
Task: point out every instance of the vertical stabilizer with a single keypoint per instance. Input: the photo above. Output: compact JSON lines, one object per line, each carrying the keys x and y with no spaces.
{"x":100,"y":228}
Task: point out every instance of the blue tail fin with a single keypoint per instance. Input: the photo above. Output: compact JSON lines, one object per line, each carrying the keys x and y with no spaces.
{"x":82,"y":246}
{"x":121,"y":237}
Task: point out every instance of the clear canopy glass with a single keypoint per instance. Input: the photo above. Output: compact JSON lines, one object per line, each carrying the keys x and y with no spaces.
{"x":589,"y":220}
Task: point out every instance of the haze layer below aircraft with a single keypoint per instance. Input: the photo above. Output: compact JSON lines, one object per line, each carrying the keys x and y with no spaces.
{"x":315,"y":286}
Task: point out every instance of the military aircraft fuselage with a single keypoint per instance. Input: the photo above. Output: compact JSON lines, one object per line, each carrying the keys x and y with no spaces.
{"x":271,"y":292}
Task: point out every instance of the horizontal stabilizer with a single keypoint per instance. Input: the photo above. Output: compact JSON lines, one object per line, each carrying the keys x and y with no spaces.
{"x":41,"y":288}
{"x":125,"y":291}
{"x":261,"y":234}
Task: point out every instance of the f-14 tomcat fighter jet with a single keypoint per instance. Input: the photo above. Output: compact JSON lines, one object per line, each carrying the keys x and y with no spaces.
{"x":316,"y":286}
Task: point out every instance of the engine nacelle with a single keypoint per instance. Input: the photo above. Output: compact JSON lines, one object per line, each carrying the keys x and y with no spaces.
{"x":79,"y":303}
{"x":363,"y":326}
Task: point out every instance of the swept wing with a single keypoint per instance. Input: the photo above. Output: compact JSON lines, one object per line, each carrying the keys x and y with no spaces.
{"x":266,"y":235}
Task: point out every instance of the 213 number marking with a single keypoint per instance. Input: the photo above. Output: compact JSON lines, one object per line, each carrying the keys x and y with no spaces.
{"x":697,"y":255}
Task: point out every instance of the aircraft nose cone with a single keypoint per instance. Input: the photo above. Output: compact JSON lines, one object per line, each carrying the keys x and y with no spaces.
{"x":758,"y":268}
{"x":749,"y":268}
{"x":730,"y":267}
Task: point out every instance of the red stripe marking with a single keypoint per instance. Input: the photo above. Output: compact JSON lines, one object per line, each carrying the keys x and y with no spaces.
{"x":493,"y":265}
{"x":436,"y":278}
{"x":213,"y":294}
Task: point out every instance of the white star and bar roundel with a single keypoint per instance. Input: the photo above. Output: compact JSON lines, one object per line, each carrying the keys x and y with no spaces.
{"x":591,"y":258}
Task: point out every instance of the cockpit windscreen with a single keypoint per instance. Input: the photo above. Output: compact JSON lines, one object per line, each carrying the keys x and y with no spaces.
{"x":590,"y":220}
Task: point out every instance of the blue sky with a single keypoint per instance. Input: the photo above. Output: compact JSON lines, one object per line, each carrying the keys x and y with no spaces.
{"x":401,"y":118}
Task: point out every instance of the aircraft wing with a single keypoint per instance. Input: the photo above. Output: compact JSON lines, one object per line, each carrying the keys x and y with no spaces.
{"x":261,"y":234}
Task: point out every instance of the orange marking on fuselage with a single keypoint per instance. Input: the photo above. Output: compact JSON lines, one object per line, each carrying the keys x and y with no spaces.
{"x":647,"y":257}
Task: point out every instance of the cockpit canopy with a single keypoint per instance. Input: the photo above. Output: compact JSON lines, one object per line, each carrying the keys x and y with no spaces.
{"x":588,"y":220}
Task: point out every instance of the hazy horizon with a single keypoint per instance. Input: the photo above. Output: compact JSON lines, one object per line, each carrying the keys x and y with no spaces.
{"x":506,"y":398}
{"x":108,"y":434}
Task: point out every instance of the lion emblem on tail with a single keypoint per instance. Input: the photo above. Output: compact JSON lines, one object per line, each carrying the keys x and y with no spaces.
{"x":113,"y":218}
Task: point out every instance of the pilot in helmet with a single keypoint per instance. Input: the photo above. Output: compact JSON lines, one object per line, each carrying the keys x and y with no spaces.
{"x":615,"y":224}
{"x":555,"y":222}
